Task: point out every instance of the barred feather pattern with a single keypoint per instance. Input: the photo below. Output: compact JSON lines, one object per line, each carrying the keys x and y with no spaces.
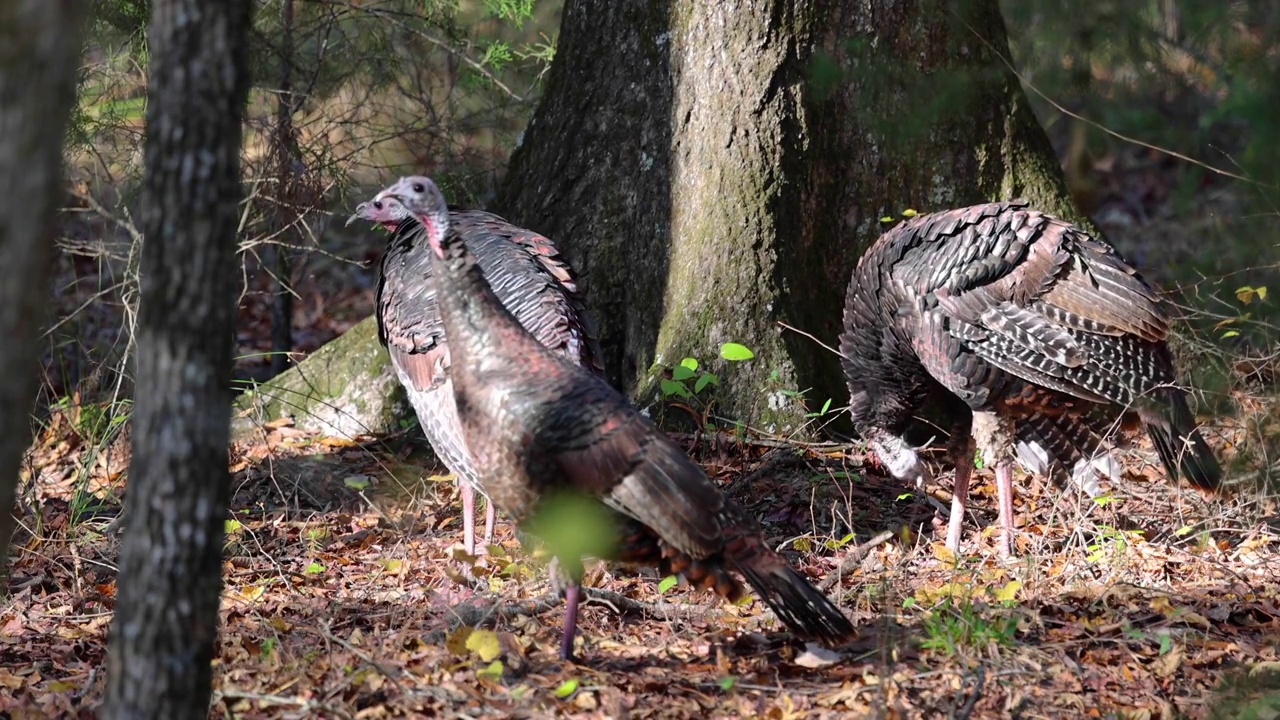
{"x":1017,"y":312}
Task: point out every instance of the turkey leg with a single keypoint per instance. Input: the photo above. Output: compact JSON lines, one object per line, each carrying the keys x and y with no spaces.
{"x":490,"y":516}
{"x":468,"y":494}
{"x":962,"y":459}
{"x":1004,"y":493}
{"x":995,"y":435}
{"x":959,"y":496}
{"x":566,"y":581}
{"x":571,"y":592}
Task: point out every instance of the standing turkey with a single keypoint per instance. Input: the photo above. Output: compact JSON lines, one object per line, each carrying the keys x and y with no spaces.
{"x":530,"y":278}
{"x":1042,"y":330}
{"x":539,"y":426}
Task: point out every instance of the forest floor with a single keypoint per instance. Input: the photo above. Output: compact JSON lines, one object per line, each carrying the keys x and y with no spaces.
{"x":344,"y":599}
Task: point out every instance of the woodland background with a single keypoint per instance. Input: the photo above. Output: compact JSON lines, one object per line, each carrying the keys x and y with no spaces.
{"x":1165,"y":117}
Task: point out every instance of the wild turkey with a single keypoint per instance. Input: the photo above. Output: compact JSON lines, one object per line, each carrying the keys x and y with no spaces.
{"x":1042,"y":330}
{"x":529,"y":277}
{"x":539,"y":426}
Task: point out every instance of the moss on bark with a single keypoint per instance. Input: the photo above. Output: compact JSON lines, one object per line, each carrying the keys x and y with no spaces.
{"x":344,"y":389}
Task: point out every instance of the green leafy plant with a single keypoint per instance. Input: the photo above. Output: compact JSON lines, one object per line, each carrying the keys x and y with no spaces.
{"x":955,"y":625}
{"x":681,"y":375}
{"x":776,"y":386}
{"x":690,"y":386}
{"x":1111,"y":544}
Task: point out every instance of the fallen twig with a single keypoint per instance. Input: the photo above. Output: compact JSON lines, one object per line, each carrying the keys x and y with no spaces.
{"x":476,"y":615}
{"x":732,"y":439}
{"x":310,"y":707}
{"x":979,"y":681}
{"x":622,"y":603}
{"x":364,"y":657}
{"x":773,"y":462}
{"x":854,"y":557}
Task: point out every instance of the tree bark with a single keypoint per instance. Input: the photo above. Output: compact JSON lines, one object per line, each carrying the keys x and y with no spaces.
{"x":286,"y":154}
{"x":39,"y":50}
{"x":164,"y":632}
{"x":713,"y":169}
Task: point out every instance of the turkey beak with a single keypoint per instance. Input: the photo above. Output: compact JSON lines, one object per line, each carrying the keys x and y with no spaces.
{"x":357,"y":214}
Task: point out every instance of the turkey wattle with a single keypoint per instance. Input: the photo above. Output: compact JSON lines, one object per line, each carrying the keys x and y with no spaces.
{"x":1043,"y":331}
{"x":531,"y":280}
{"x":538,"y":426}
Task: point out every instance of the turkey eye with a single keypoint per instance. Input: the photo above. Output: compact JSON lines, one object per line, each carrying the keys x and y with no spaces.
{"x":377,"y":204}
{"x":417,"y":187}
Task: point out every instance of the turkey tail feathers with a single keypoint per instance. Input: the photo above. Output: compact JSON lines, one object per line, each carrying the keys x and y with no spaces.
{"x":797,"y":603}
{"x":1181,"y":447}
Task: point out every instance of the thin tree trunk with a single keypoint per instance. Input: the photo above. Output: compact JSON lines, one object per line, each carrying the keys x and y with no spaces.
{"x":714,"y":169}
{"x":286,"y":152}
{"x":164,"y":632}
{"x":39,"y":50}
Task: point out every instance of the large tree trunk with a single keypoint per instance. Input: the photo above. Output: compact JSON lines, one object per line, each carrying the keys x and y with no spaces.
{"x":165,"y":628}
{"x":712,"y":169}
{"x":39,"y":50}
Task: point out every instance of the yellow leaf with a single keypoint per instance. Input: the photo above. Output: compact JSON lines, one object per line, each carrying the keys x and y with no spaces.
{"x":280,"y":624}
{"x":909,"y":213}
{"x":1009,"y":592}
{"x":1167,"y":664}
{"x":944,"y":553}
{"x":61,"y":686}
{"x":1263,"y":667}
{"x":485,"y":644}
{"x":1161,"y":604}
{"x":249,"y":593}
{"x":1192,"y":617}
{"x":1262,"y":292}
{"x":8,"y":679}
{"x":395,"y":566}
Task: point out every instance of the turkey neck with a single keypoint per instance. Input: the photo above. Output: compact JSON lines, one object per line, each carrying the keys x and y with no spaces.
{"x":475,"y":319}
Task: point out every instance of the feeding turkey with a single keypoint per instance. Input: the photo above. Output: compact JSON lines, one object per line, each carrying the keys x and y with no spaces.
{"x":530,"y":279}
{"x":539,"y":426}
{"x":1044,"y":332}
